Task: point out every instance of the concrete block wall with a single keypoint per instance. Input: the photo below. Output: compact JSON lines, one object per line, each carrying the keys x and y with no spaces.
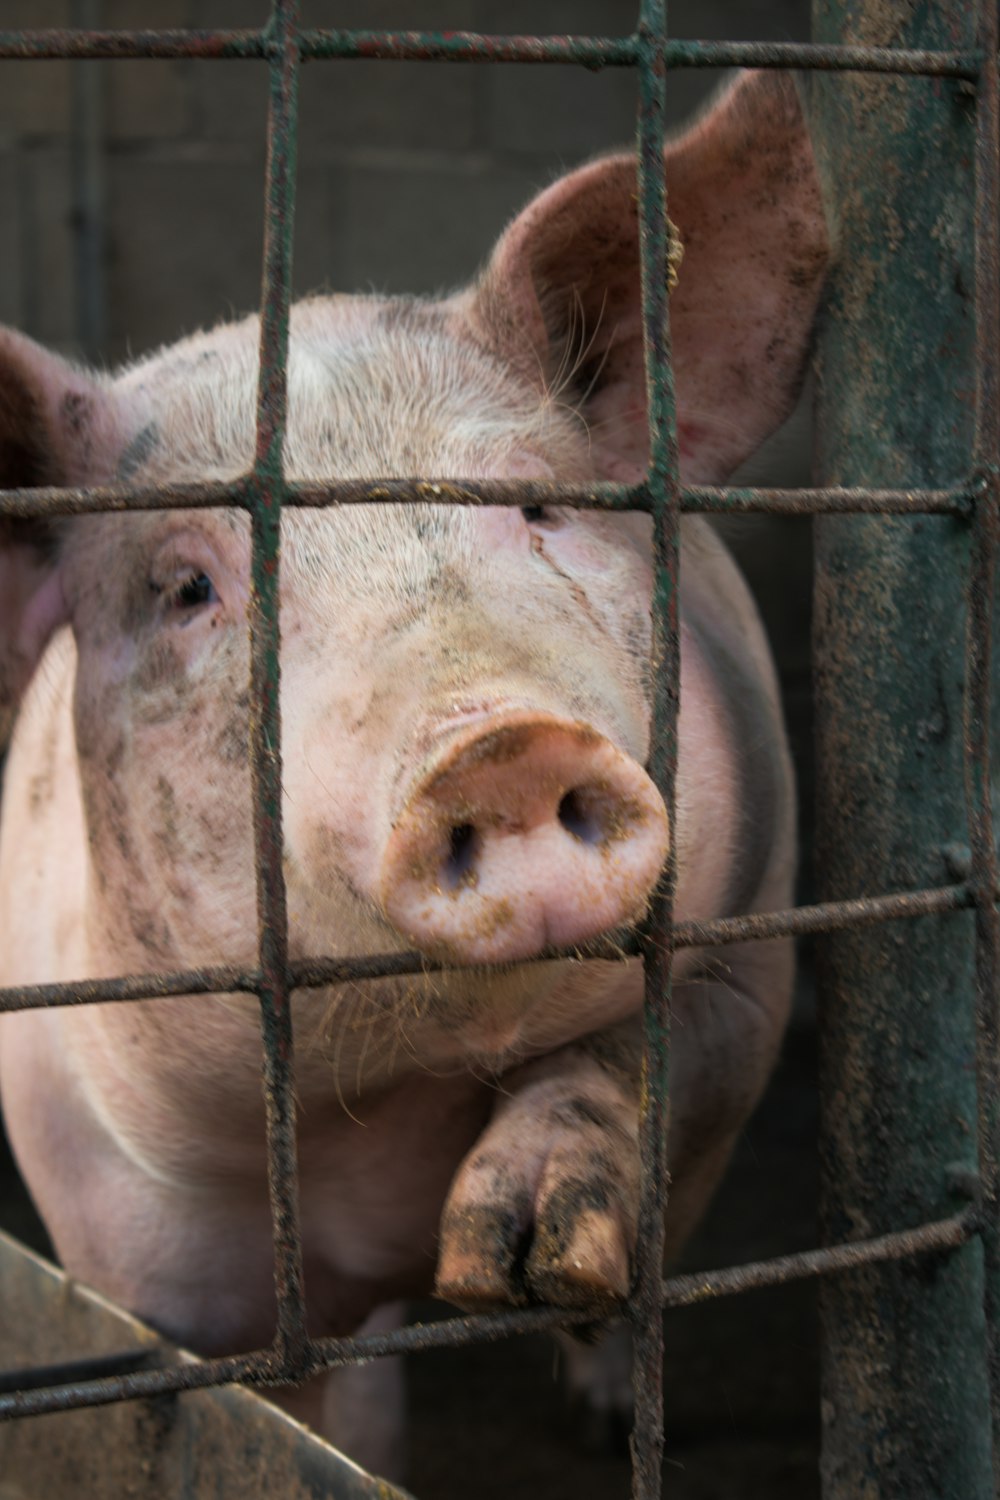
{"x":407,"y":172}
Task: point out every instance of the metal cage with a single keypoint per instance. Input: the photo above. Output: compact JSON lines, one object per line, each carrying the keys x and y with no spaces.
{"x":965,"y":502}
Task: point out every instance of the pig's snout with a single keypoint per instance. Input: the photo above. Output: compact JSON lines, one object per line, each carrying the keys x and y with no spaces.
{"x":527,"y":832}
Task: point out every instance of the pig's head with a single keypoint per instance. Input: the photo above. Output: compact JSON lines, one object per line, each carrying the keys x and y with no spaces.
{"x":464,"y":691}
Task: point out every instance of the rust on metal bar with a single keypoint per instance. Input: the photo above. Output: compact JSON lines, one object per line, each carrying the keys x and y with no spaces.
{"x":663,"y":485}
{"x":926,"y":1239}
{"x":830,"y":500}
{"x":474,"y":47}
{"x":73,"y":43}
{"x":262,"y":1367}
{"x":49,"y":500}
{"x":600,"y":52}
{"x":120,"y":1377}
{"x":825,"y":916}
{"x":265,"y":685}
{"x":979,"y":677}
{"x":312,"y":973}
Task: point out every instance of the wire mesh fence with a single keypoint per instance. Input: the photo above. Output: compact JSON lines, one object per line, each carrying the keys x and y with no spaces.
{"x":972,"y":499}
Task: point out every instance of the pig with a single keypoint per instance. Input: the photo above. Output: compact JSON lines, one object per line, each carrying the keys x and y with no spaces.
{"x":465,"y":703}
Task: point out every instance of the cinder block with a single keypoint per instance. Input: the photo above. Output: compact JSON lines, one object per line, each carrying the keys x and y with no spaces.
{"x":148,"y":97}
{"x":232,"y":15}
{"x":230,"y":101}
{"x":187,"y":246}
{"x":48,"y":277}
{"x":34,"y":99}
{"x":393,"y":15}
{"x":418,"y":229}
{"x":571,"y":113}
{"x":21,"y":13}
{"x":412,"y":105}
{"x":10,"y":242}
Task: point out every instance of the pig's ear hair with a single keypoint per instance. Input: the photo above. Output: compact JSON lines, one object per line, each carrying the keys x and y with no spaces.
{"x":562,"y":288}
{"x":56,"y":423}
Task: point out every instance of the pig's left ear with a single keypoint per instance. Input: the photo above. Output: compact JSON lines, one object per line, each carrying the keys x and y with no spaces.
{"x":58,"y":425}
{"x":743,"y":192}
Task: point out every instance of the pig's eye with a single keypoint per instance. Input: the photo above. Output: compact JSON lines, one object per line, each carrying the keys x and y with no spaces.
{"x":540,"y":515}
{"x":191,"y":593}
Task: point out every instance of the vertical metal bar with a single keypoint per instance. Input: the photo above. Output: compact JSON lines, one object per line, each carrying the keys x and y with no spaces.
{"x":268,"y":481}
{"x":979,"y":672}
{"x":664,"y":490}
{"x":905,"y":1401}
{"x":89,"y":192}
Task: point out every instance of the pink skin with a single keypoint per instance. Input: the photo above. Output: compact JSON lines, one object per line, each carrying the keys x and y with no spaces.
{"x":529,"y":833}
{"x":465,"y":718}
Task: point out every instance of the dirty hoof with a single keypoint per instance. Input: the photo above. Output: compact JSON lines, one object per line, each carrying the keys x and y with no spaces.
{"x":554,"y":1228}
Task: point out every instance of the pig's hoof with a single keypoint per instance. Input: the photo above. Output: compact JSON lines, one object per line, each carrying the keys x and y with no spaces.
{"x":567,"y":1242}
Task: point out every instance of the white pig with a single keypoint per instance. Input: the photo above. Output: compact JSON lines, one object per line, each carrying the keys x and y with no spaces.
{"x":465,"y":700}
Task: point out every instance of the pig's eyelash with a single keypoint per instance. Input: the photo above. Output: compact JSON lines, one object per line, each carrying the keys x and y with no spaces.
{"x":189,"y":591}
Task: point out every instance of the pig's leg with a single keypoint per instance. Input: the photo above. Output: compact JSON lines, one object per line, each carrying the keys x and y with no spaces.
{"x":545,"y":1206}
{"x":360,"y":1409}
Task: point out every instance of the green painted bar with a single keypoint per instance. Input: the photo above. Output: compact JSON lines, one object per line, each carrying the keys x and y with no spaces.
{"x":905,"y":1405}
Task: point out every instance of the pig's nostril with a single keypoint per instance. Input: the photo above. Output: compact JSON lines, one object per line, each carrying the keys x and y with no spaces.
{"x":463,"y":849}
{"x":580,"y":814}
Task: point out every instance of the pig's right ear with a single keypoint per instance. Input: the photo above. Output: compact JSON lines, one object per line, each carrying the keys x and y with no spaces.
{"x":560,"y":296}
{"x":56,"y":423}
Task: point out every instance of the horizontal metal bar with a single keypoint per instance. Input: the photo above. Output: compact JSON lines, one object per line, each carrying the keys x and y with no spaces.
{"x":941,"y":1234}
{"x":263,"y":1368}
{"x":81,"y":1387}
{"x":825,"y":916}
{"x":468,"y":46}
{"x":71,"y":1371}
{"x":312,"y":973}
{"x":55,"y":42}
{"x":956,"y":500}
{"x":599,"y":495}
{"x":464,"y":47}
{"x":50,"y":500}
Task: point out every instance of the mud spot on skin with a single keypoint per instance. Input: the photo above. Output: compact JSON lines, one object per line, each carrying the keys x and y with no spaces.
{"x":41,"y":788}
{"x":233,"y":741}
{"x":150,"y":931}
{"x":166,"y":834}
{"x":75,"y":412}
{"x":572,"y":1215}
{"x":137,"y":452}
{"x":485,"y":1248}
{"x":618,"y":1054}
{"x":579,"y":1110}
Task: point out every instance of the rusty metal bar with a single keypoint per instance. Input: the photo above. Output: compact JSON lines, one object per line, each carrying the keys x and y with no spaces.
{"x":595,"y":52}
{"x":265,"y":672}
{"x":663,"y":487}
{"x":980,"y":677}
{"x":955,"y":500}
{"x":310,"y":973}
{"x":123,"y":1377}
{"x":927,"y":1239}
{"x":474,"y":47}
